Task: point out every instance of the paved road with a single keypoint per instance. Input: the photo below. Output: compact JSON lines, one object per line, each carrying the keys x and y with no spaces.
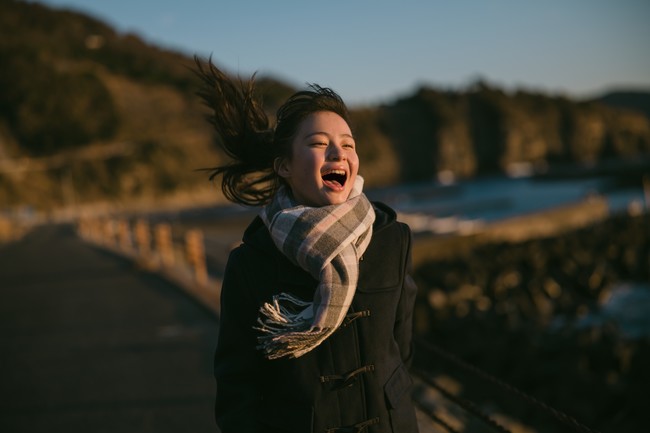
{"x":88,"y":343}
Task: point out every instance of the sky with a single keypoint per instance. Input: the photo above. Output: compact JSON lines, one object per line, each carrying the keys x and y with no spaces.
{"x":374,"y":51}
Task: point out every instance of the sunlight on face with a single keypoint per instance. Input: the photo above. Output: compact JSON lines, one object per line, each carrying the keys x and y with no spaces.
{"x":324,"y":162}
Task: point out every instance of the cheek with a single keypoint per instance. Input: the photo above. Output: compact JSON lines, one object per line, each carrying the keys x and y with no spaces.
{"x":308,"y":162}
{"x":306,"y":166}
{"x":354,"y":162}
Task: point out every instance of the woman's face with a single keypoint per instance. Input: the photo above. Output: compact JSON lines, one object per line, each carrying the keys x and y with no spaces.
{"x":324,"y":162}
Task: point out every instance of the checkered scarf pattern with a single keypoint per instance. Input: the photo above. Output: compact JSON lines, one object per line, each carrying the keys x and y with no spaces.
{"x":327,"y":242}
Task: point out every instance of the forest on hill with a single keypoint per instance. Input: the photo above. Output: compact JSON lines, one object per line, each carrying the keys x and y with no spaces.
{"x":91,"y":115}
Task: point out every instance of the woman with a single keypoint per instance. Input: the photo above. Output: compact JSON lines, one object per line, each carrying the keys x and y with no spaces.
{"x":316,"y":304}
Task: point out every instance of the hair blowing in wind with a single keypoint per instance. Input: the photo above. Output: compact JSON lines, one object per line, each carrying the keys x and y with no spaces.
{"x":243,"y":132}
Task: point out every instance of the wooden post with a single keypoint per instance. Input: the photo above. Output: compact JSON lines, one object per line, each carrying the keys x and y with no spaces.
{"x":91,"y":229}
{"x":97,"y":230}
{"x":164,"y":244}
{"x":108,"y":232}
{"x":143,"y":238}
{"x":196,"y":255}
{"x":124,"y":236}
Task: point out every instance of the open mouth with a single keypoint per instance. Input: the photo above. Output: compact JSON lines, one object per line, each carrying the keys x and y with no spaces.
{"x":335,"y":178}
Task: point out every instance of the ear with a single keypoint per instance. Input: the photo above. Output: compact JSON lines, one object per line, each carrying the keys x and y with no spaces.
{"x":282,"y":167}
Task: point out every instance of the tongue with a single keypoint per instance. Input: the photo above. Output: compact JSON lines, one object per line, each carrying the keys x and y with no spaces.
{"x":332,"y":184}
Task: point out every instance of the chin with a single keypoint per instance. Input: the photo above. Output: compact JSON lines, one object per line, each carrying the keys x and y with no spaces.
{"x":336,"y":199}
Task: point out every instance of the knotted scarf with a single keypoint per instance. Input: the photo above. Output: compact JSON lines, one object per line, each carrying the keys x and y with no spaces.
{"x":327,"y":242}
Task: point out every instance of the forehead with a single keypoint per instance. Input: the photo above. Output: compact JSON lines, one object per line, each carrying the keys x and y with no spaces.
{"x":324,"y":122}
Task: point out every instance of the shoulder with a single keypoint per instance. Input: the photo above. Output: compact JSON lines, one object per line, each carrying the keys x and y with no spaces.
{"x":251,"y":265}
{"x":391,"y":239}
{"x":386,"y":220}
{"x":254,"y":251}
{"x":257,"y":239}
{"x":263,"y":269}
{"x":384,"y":263}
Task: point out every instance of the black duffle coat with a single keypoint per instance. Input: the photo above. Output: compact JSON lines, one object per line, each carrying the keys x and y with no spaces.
{"x":355,"y":381}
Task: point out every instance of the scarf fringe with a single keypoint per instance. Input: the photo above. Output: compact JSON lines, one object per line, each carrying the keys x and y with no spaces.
{"x":281,"y":317}
{"x":287,"y":328}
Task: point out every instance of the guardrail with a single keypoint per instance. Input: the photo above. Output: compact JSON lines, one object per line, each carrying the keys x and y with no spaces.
{"x":155,"y":249}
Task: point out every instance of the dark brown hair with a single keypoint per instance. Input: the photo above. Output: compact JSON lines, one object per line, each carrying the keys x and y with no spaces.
{"x":244,"y":133}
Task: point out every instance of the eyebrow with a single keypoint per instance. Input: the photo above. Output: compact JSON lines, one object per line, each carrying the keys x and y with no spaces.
{"x":325,"y":133}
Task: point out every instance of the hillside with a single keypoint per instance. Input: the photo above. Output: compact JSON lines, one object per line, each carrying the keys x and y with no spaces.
{"x":88,"y":114}
{"x":91,"y":115}
{"x":635,"y":100}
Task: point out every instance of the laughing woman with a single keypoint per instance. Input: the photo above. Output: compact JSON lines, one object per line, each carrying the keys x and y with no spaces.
{"x":316,"y":303}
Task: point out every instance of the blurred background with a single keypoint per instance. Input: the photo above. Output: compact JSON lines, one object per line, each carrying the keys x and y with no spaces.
{"x":513,"y":138}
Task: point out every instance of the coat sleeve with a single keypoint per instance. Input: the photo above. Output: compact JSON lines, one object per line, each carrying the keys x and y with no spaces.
{"x":404,"y":324}
{"x":236,"y":364}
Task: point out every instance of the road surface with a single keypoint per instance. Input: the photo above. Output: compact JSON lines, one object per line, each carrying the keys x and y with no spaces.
{"x":89,"y":343}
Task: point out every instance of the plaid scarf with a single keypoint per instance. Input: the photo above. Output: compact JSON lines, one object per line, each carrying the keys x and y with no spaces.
{"x":327,"y":242}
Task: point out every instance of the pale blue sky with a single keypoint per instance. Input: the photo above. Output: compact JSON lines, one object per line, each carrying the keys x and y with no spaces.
{"x":373,"y":51}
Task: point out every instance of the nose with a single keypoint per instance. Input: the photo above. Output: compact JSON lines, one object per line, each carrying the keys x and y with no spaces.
{"x":335,"y":152}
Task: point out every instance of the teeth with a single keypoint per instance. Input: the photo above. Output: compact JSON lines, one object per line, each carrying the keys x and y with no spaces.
{"x":340,"y":172}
